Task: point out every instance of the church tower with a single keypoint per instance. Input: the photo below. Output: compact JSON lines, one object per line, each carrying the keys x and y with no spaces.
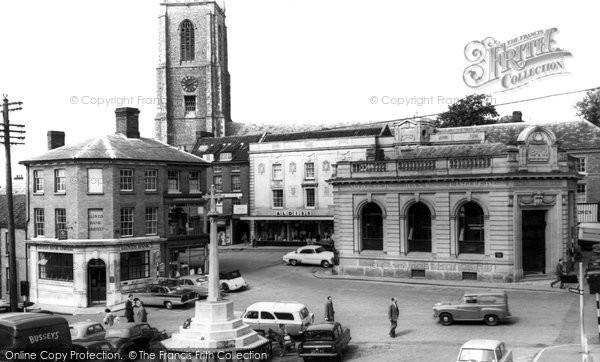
{"x":192,"y":75}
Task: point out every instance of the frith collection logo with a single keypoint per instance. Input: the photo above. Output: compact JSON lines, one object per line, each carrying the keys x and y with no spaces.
{"x":516,"y":62}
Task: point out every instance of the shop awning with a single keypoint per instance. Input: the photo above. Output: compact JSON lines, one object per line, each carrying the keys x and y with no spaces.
{"x":284,"y":218}
{"x":589,"y":231}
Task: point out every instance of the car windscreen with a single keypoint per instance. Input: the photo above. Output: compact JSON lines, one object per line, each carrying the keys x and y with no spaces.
{"x":472,"y":354}
{"x":320,"y":249}
{"x":318,"y":335}
{"x":233,"y":275}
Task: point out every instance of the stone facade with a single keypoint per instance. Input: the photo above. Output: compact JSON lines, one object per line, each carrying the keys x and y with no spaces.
{"x":206,"y":73}
{"x":456,"y":207}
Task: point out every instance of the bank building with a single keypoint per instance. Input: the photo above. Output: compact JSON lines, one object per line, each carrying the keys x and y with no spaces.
{"x":492,"y":203}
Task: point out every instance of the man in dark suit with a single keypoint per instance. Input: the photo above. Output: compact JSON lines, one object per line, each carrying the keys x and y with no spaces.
{"x":129,"y":309}
{"x":393,"y":313}
{"x":329,"y":312}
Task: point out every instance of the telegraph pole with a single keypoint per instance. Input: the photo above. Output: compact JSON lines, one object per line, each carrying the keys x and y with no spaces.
{"x":8,"y":141}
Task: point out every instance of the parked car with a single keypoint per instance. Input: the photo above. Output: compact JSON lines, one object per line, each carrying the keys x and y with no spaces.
{"x":263,"y":316}
{"x":484,"y":350}
{"x":159,"y":295}
{"x":196,"y":283}
{"x":490,"y":307}
{"x":310,"y":254}
{"x":93,"y":348}
{"x":126,"y":337}
{"x":231,"y":281}
{"x":5,"y":307}
{"x":324,"y":340}
{"x":87,"y":331}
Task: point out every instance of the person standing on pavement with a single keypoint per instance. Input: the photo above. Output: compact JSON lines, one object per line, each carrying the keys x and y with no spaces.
{"x":253,"y":238}
{"x":129,"y":309}
{"x":559,"y":272}
{"x":393,"y":313}
{"x":329,"y":312}
{"x":141,"y":314}
{"x":109,"y":318}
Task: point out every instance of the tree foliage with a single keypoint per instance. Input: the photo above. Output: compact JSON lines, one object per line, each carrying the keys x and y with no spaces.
{"x":474,"y":109}
{"x":589,"y":107}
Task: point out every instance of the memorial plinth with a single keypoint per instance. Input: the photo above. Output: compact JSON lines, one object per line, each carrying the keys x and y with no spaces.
{"x":215,"y":333}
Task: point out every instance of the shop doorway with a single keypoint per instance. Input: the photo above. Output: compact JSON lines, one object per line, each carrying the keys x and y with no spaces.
{"x":241,"y":229}
{"x":534,"y":241}
{"x":96,"y":282}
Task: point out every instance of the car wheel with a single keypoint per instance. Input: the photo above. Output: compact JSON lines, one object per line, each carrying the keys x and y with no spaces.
{"x":491,"y":320}
{"x":225,"y":287}
{"x":446,"y":319}
{"x":294,"y":262}
{"x":168,"y":305}
{"x":325,"y":264}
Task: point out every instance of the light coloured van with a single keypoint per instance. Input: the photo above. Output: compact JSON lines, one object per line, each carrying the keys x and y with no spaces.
{"x":263,"y":316}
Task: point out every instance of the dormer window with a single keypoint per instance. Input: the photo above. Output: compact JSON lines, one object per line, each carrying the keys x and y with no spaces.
{"x":225,"y":156}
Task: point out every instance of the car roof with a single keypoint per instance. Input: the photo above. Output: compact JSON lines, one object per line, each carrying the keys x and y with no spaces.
{"x":277,"y":306}
{"x":83,"y":323}
{"x":31,"y":319}
{"x":127,"y":325}
{"x":499,"y":293}
{"x":322,"y":327}
{"x":482,"y":343}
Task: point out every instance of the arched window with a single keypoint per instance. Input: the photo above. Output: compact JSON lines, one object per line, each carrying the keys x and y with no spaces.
{"x":186,"y":33}
{"x":470,"y":229}
{"x":419,"y":228}
{"x":372,"y":227}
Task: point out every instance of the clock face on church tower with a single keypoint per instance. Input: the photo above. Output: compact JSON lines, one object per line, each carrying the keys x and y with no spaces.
{"x":189,"y":83}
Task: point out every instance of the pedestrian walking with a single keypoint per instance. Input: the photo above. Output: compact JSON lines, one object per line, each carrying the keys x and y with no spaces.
{"x":253,"y":237}
{"x":245,"y":239}
{"x":559,"y":272}
{"x":393,"y":313}
{"x":109,"y":318}
{"x":129,"y":309}
{"x":141,"y":314}
{"x":329,"y":312}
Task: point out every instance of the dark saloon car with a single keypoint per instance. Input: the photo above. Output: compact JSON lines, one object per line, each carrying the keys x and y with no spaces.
{"x":126,"y":337}
{"x":325,"y":340}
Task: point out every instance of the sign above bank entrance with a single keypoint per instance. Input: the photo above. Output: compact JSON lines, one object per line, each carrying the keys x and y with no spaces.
{"x":293,"y":213}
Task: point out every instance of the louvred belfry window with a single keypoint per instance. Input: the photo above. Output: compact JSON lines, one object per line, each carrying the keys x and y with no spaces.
{"x":187,"y":40}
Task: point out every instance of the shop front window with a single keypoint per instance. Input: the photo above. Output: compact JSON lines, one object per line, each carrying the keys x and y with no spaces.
{"x":372,"y":227}
{"x":471,"y":229}
{"x":135,"y":265}
{"x":56,"y":266}
{"x":419,"y":228}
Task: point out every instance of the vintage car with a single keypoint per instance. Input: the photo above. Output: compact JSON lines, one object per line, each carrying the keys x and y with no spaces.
{"x":324,"y":340}
{"x":310,"y":254}
{"x":5,"y":307}
{"x":87,"y":331}
{"x":489,"y":307}
{"x":126,"y":337}
{"x":196,"y":283}
{"x":231,"y":281}
{"x":159,"y":295}
{"x":84,"y":350}
{"x":484,"y":350}
{"x":263,"y":316}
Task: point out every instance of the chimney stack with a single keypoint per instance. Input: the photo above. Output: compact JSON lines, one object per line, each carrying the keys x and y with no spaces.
{"x":128,"y":121}
{"x":56,"y":139}
{"x":517,"y":116}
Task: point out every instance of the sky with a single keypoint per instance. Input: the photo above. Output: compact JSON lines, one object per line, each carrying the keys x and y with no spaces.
{"x":70,"y":62}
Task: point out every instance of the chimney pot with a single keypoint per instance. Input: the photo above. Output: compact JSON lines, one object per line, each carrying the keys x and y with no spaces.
{"x":56,"y":139}
{"x":517,"y":116}
{"x":128,"y":121}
